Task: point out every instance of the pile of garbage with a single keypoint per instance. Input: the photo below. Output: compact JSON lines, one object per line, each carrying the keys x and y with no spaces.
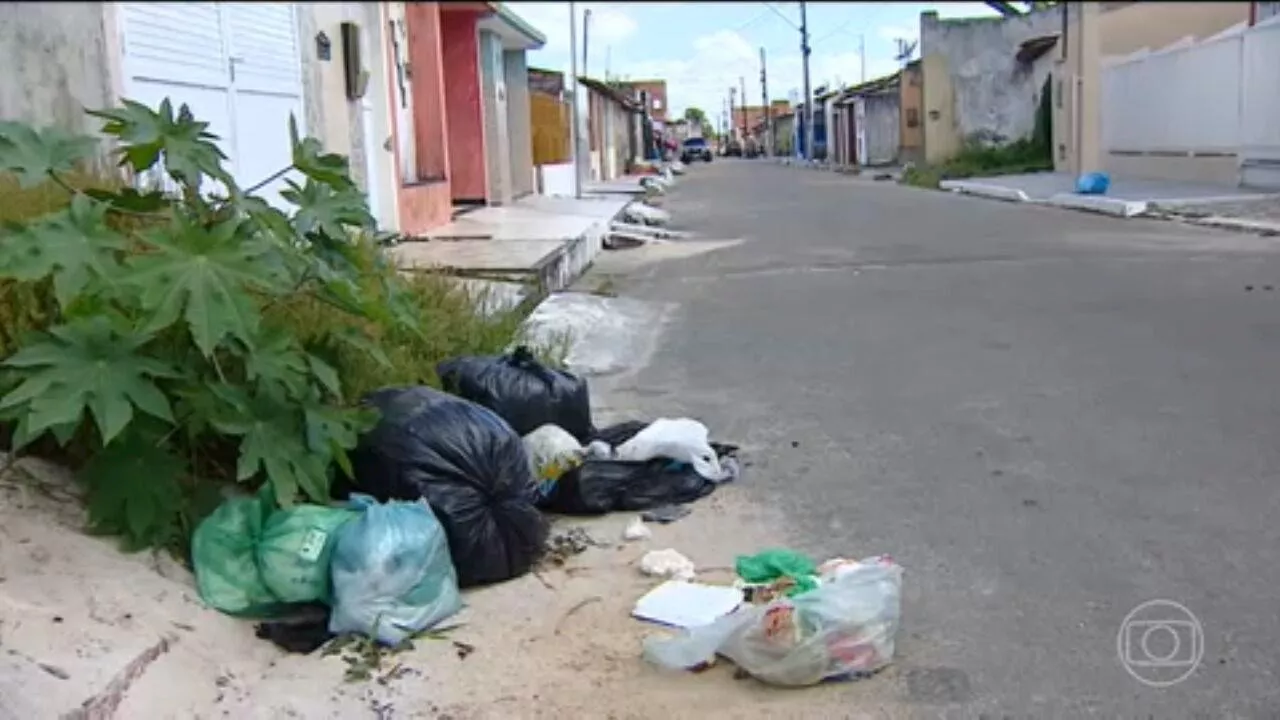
{"x":449,"y":491}
{"x":786,"y":621}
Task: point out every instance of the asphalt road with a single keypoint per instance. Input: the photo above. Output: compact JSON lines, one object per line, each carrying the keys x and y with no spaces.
{"x":1047,"y":417}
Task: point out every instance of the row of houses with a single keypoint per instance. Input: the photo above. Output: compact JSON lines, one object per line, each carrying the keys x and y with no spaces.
{"x":433,"y":101}
{"x":1175,"y":91}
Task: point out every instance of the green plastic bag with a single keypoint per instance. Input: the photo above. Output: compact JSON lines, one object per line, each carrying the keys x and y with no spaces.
{"x":223,"y":551}
{"x":293,"y":555}
{"x":770,"y":565}
{"x":251,"y":559}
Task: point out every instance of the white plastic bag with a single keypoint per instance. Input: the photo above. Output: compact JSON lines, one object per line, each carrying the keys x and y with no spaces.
{"x":843,"y":629}
{"x":681,"y":439}
{"x":552,"y":451}
{"x":392,"y":573}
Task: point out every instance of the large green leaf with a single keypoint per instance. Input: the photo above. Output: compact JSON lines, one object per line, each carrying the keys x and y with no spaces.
{"x":203,"y":275}
{"x":33,"y":154}
{"x":272,"y":441}
{"x":332,"y":432}
{"x":311,"y":160}
{"x":88,"y":364}
{"x":75,"y":246}
{"x":146,"y":135}
{"x":134,"y":491}
{"x":326,"y":210}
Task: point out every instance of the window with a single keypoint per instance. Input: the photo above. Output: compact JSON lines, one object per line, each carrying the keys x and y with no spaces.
{"x":657,"y":104}
{"x":913,"y":117}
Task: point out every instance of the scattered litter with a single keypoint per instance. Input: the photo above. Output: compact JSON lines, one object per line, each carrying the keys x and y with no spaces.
{"x":1093,"y":183}
{"x":637,"y":530}
{"x":521,"y":390}
{"x":668,"y":564}
{"x":469,"y":465}
{"x":666,"y":514}
{"x":687,"y":605}
{"x":679,"y":439}
{"x":641,"y":213}
{"x":605,"y":482}
{"x":565,"y":545}
{"x":843,"y":630}
{"x":780,"y":572}
{"x":303,"y":631}
{"x":392,"y":576}
{"x":553,"y":452}
{"x":731,"y":469}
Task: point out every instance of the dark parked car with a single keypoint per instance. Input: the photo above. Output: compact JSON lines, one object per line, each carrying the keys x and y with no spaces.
{"x":695,"y":149}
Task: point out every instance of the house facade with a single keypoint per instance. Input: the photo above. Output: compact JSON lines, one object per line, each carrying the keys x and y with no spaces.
{"x":379,"y":82}
{"x":1168,"y":91}
{"x":656,"y":93}
{"x":612,"y":122}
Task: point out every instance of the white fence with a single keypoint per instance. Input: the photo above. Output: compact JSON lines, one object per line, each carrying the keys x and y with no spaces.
{"x":1220,"y":95}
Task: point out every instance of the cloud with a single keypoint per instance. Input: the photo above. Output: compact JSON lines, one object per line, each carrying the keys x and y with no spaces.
{"x":610,"y":24}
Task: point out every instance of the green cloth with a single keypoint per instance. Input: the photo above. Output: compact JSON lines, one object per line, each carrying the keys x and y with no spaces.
{"x":765,"y":567}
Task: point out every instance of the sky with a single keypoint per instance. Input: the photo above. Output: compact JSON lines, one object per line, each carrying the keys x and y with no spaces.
{"x":701,"y":49}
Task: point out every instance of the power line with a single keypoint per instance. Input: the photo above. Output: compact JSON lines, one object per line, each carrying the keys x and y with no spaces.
{"x":780,"y":14}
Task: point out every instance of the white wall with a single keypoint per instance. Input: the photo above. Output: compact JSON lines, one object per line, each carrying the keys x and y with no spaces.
{"x":1210,"y":99}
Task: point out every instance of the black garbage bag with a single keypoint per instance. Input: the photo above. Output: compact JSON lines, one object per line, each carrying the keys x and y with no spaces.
{"x":472,"y":469}
{"x":522,"y":391}
{"x":600,"y":486}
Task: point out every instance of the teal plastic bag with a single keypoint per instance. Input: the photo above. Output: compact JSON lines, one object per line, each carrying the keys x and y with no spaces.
{"x":294,"y":551}
{"x":392,"y":573}
{"x":223,"y":551}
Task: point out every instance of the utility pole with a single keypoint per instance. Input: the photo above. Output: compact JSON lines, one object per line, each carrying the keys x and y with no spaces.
{"x":742,"y":83}
{"x":808,"y":95}
{"x":733,"y":124}
{"x":862,"y":55}
{"x":586,"y":30}
{"x":768,"y":111}
{"x":573,"y":77}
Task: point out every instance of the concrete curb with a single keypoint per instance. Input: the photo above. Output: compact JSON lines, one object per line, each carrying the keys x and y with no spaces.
{"x":1218,"y":222}
{"x":1099,"y":204}
{"x":995,"y":192}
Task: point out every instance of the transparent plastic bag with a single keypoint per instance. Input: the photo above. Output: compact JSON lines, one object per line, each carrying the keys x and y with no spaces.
{"x":392,"y":576}
{"x":552,"y":451}
{"x":844,"y":629}
{"x":679,"y":439}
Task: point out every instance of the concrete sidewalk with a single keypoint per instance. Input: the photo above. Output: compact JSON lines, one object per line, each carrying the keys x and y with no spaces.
{"x":1127,"y":197}
{"x":542,"y":243}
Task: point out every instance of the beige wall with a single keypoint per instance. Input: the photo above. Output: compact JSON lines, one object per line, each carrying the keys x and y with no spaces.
{"x":911,"y":99}
{"x":1153,"y":25}
{"x":941,"y":140}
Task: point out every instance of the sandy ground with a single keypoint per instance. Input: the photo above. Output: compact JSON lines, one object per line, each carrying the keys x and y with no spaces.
{"x":86,"y":631}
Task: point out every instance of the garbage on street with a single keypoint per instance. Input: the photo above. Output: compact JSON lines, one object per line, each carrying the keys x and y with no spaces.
{"x":844,"y":628}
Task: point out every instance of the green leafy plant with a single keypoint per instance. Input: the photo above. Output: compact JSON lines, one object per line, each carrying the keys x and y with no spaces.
{"x":170,"y":351}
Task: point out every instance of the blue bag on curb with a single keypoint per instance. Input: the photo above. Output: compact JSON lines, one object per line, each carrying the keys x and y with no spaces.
{"x":392,"y":575}
{"x":1094,"y":183}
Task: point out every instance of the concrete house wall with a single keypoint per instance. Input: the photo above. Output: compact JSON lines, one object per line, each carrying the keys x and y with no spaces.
{"x":974,"y":85}
{"x":57,"y":60}
{"x":911,"y":102}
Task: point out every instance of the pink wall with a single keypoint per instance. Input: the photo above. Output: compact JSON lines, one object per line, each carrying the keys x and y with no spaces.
{"x":463,"y":108}
{"x":428,"y":204}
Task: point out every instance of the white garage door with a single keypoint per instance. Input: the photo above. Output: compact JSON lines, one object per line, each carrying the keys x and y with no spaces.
{"x":237,"y":65}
